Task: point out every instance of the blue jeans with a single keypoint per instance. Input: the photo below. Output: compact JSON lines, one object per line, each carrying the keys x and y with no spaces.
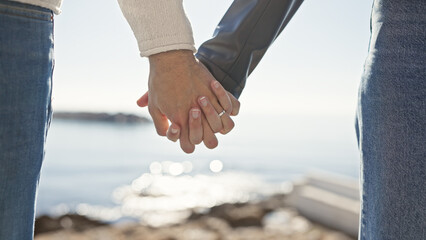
{"x":26,"y":66}
{"x":391,"y":124}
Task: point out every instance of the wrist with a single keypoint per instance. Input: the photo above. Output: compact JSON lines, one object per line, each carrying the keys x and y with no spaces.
{"x":170,"y":58}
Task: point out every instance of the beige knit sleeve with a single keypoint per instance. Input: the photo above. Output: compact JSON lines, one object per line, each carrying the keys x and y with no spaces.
{"x":158,"y":25}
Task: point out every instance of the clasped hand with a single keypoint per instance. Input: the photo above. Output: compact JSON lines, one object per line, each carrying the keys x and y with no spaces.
{"x":182,"y":90}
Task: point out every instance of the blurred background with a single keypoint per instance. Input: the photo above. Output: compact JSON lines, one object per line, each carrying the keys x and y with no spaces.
{"x":297,"y":114}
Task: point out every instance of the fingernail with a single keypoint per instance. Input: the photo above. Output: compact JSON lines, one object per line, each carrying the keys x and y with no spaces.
{"x":203,"y":101}
{"x":174,"y":130}
{"x":216,"y":84}
{"x":195,"y":113}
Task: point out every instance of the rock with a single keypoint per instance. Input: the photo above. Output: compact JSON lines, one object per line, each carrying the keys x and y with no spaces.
{"x":216,"y":225}
{"x":336,"y":236}
{"x":205,"y":228}
{"x":286,"y":221}
{"x":239,"y":215}
{"x":46,"y":224}
{"x":70,"y":221}
{"x":197,"y":234}
{"x":314,"y":234}
{"x":279,"y":220}
{"x":100,"y":117}
{"x":268,"y":219}
{"x":274,"y":202}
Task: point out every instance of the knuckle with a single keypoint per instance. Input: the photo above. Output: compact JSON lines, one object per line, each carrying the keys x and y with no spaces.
{"x":231,"y":125}
{"x":221,"y":92}
{"x":172,"y":136}
{"x":150,"y":110}
{"x":194,"y":125}
{"x":188,"y":150}
{"x":171,"y":139}
{"x":209,"y":110}
{"x":161,"y":132}
{"x":228,"y":126}
{"x":217,"y":128}
{"x":187,"y":146}
{"x":196,"y":141}
{"x":211,"y":143}
{"x":178,"y":116}
{"x":235,"y":111}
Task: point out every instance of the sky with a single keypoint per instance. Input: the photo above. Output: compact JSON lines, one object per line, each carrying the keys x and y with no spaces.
{"x":314,"y":67}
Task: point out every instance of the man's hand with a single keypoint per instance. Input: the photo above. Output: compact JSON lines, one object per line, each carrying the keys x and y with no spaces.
{"x":176,"y":82}
{"x":195,"y":127}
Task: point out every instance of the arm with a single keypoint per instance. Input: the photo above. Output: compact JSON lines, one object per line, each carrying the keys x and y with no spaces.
{"x":176,"y":78}
{"x":242,"y":37}
{"x":158,"y":25}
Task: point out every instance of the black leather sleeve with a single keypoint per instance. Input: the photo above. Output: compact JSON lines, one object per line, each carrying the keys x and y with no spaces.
{"x":242,"y":37}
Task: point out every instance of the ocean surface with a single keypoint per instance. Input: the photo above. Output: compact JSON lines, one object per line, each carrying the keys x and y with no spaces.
{"x":123,"y":171}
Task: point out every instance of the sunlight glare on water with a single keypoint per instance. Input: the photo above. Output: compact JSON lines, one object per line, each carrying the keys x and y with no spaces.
{"x":216,"y":166}
{"x":163,"y":199}
{"x":155,"y":168}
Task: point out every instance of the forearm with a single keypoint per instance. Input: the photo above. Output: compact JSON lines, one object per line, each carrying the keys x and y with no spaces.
{"x":158,"y":25}
{"x":242,"y":37}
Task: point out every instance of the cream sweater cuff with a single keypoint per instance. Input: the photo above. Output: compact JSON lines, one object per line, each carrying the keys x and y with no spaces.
{"x":54,"y":5}
{"x":158,"y":25}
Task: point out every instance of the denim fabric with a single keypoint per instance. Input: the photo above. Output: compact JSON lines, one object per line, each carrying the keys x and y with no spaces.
{"x":392,"y":123}
{"x":26,"y":65}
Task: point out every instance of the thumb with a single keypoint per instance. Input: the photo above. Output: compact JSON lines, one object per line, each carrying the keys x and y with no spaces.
{"x":143,"y":101}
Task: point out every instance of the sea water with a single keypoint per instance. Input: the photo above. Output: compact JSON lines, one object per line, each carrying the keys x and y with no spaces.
{"x":111,"y":171}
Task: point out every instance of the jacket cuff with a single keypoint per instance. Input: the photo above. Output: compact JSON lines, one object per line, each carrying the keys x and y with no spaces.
{"x":158,"y":25}
{"x":242,"y":38}
{"x":231,"y":85}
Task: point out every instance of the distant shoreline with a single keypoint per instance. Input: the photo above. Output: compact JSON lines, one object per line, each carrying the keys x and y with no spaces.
{"x":121,"y":118}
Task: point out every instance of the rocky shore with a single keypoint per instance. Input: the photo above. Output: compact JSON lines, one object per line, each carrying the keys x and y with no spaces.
{"x":270,"y":219}
{"x":101,"y":117}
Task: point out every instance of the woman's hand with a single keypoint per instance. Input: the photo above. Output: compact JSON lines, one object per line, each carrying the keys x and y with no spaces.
{"x":227,"y":101}
{"x":178,"y":85}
